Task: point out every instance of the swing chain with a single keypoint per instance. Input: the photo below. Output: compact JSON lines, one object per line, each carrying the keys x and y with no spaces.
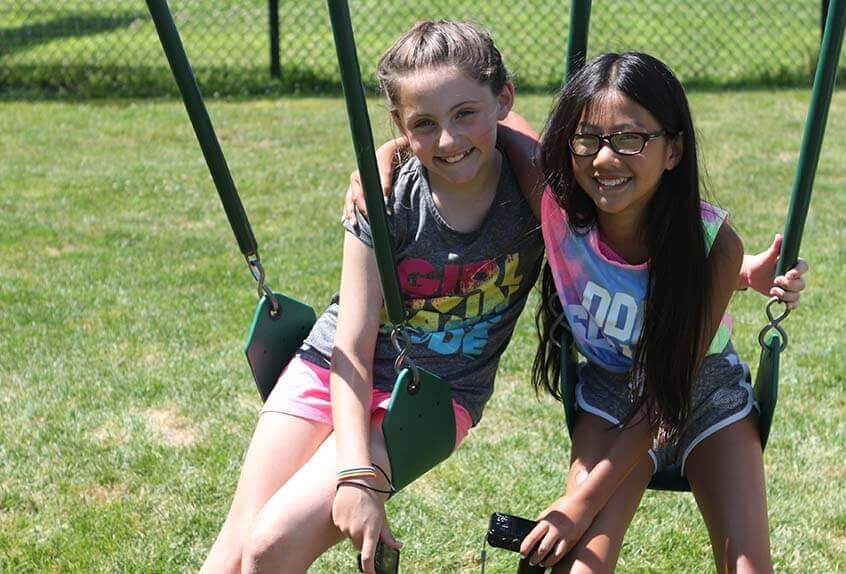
{"x":402,"y":343}
{"x":560,"y":324}
{"x":773,"y":323}
{"x":254,"y":262}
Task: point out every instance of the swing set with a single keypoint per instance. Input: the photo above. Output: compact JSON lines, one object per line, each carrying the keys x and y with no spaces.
{"x":419,"y":425}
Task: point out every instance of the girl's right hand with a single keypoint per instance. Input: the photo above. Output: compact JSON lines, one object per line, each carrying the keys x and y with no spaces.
{"x":360,"y":515}
{"x":385,"y":156}
{"x":559,"y":527}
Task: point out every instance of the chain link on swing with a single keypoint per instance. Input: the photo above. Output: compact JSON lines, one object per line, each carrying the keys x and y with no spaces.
{"x":560,"y":325}
{"x":773,"y":323}
{"x":259,"y":275}
{"x":402,"y":343}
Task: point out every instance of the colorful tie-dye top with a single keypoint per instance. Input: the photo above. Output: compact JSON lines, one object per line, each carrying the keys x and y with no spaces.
{"x":601,"y":294}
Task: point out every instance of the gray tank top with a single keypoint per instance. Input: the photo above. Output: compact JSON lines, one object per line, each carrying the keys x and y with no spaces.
{"x":463,"y":292}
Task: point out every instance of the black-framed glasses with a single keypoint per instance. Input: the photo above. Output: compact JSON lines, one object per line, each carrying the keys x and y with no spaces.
{"x":623,"y":143}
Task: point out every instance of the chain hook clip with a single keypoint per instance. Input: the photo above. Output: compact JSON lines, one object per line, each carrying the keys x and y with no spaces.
{"x":254,"y":262}
{"x":402,"y":343}
{"x":773,"y":323}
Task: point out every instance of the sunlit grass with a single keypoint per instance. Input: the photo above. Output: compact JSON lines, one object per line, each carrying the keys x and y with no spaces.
{"x":126,"y":402}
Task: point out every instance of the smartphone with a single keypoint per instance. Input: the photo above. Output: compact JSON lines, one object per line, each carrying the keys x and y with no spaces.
{"x":385,"y":561}
{"x":508,"y":531}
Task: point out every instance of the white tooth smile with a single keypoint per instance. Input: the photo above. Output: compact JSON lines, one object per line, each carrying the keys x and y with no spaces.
{"x":611,"y":182}
{"x":457,"y":157}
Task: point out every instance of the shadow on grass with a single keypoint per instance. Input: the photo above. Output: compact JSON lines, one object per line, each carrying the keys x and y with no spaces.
{"x":14,"y":40}
{"x":57,"y":81}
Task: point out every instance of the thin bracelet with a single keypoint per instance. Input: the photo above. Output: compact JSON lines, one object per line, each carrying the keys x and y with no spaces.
{"x":359,"y":485}
{"x":387,"y":478}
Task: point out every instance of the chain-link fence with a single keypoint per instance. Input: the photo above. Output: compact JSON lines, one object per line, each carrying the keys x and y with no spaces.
{"x":109,"y":47}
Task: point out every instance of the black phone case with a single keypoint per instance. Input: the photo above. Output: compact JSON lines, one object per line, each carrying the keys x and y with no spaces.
{"x":385,"y":560}
{"x":508,"y":531}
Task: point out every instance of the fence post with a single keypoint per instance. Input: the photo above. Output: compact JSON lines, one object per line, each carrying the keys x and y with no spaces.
{"x":577,"y":37}
{"x":273,"y":9}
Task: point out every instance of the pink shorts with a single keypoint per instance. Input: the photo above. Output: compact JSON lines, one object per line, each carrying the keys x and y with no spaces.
{"x":303,"y":391}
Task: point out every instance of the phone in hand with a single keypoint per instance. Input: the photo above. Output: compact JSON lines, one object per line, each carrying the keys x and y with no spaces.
{"x":385,"y":561}
{"x":508,"y":531}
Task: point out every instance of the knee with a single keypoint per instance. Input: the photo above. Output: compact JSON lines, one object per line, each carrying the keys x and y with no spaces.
{"x":225,"y":554}
{"x":226,"y":560}
{"x":269,"y":548}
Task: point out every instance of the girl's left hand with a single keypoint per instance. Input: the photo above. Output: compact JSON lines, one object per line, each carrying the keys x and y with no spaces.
{"x":759,"y":271}
{"x":559,"y":527}
{"x":360,"y":515}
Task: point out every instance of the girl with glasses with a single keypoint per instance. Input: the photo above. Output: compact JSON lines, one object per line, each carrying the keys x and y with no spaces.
{"x":643,"y":270}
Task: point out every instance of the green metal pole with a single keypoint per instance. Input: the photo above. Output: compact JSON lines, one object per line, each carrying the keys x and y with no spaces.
{"x":823,"y":17}
{"x":577,"y":37}
{"x":339,"y":13}
{"x":169,"y":36}
{"x":275,"y":65}
{"x":813,"y":137}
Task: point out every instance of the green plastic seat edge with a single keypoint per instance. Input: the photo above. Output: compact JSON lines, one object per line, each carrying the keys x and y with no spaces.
{"x":766,"y":385}
{"x":272,"y":342}
{"x":419,"y":429}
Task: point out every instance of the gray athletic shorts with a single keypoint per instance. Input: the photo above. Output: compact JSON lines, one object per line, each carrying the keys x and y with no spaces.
{"x":722,"y":395}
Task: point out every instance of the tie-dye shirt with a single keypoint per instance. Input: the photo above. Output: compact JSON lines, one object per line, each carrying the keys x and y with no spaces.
{"x":602,"y":295}
{"x":463,"y":291}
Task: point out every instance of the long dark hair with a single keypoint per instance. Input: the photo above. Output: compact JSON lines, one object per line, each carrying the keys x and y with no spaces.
{"x":669,"y":349}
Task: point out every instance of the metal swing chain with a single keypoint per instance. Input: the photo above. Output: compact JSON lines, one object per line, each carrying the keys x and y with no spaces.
{"x":560,"y":320}
{"x":774,"y":323}
{"x":257,"y":270}
{"x":402,"y":343}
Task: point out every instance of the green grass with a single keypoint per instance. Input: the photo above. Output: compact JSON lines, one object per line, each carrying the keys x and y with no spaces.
{"x":109,"y":47}
{"x":126,"y":402}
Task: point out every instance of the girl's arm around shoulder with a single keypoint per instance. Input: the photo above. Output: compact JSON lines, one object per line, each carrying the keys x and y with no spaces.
{"x":522,"y":147}
{"x":389,"y":156}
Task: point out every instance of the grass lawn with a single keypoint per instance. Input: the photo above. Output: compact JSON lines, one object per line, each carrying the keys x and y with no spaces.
{"x":127,"y":404}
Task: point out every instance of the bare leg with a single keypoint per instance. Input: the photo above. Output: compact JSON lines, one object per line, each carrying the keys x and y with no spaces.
{"x":281,"y":444}
{"x":726,"y":474}
{"x":599,"y":548}
{"x":295,"y":526}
